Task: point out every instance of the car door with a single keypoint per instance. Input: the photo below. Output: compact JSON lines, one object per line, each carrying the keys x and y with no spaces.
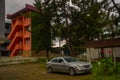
{"x":61,"y":65}
{"x":54,"y":63}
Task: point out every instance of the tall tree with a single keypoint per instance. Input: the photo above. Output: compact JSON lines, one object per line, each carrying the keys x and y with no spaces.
{"x":41,"y":34}
{"x":75,"y":21}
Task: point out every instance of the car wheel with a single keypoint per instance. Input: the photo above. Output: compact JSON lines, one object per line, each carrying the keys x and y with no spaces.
{"x":49,"y":70}
{"x":72,"y":71}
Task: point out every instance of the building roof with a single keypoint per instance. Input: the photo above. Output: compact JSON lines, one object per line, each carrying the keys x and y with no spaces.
{"x":26,"y":9}
{"x":103,"y":43}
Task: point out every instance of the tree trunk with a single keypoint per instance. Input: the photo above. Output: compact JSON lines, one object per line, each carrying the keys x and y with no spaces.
{"x":47,"y":53}
{"x":70,"y":48}
{"x":68,"y":40}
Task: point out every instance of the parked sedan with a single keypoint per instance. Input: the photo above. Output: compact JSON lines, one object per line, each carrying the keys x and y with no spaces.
{"x":69,"y":65}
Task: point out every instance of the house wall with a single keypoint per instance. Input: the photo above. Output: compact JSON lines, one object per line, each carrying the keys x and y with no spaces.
{"x":26,"y":53}
{"x":94,"y":53}
{"x":116,"y":52}
{"x":20,"y":37}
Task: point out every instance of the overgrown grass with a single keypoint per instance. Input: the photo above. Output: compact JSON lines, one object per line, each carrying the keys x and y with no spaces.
{"x":106,"y":69}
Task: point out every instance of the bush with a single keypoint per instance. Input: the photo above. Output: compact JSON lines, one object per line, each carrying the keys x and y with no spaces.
{"x":104,"y":67}
{"x":41,"y":60}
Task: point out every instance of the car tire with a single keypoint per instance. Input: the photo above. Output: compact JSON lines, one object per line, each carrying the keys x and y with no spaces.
{"x":72,"y":71}
{"x":49,"y":70}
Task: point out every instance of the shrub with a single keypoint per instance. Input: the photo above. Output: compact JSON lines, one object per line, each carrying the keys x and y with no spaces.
{"x":41,"y":60}
{"x":104,"y":67}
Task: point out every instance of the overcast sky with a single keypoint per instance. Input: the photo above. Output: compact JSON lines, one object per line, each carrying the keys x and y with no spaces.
{"x":11,"y":6}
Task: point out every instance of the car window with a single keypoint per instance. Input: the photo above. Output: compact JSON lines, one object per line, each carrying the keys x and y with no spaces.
{"x":54,"y":60}
{"x":70,"y":59}
{"x":60,"y":60}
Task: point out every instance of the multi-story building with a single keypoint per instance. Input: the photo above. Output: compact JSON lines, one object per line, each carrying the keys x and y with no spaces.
{"x":2,"y":17}
{"x":2,"y":26}
{"x":20,"y":37}
{"x":5,"y":41}
{"x":7,"y":28}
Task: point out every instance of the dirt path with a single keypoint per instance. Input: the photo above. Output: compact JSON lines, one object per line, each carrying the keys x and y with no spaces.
{"x":34,"y":71}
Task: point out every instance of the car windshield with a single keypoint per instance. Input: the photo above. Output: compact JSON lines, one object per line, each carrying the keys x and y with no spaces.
{"x":70,"y":59}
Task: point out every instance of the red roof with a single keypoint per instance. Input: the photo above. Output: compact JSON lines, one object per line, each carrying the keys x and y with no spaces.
{"x":26,"y":9}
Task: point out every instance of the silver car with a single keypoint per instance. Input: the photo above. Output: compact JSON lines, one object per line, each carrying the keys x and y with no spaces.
{"x":69,"y":65}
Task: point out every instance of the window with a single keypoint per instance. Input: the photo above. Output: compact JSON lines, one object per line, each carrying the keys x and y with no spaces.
{"x":54,"y":60}
{"x":27,"y":41}
{"x":70,"y":59}
{"x":7,"y":25}
{"x":20,"y":19}
{"x":20,"y":31}
{"x":28,"y":28}
{"x":60,"y":60}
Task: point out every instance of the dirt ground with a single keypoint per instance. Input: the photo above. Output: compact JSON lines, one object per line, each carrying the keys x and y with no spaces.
{"x":35,"y":71}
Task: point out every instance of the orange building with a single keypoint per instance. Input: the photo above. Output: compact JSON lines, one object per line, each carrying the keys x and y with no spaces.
{"x":20,"y":37}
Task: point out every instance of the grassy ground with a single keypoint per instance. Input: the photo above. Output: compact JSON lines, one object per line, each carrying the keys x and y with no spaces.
{"x":34,"y":71}
{"x":37,"y":71}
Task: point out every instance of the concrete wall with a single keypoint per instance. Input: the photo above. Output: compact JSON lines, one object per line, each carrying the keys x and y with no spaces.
{"x":26,"y":53}
{"x":92,"y":53}
{"x":2,"y":17}
{"x":116,"y":52}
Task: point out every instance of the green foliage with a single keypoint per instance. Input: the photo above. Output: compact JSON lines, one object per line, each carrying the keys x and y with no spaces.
{"x":56,"y":18}
{"x":41,"y":34}
{"x":105,"y":67}
{"x":41,"y":60}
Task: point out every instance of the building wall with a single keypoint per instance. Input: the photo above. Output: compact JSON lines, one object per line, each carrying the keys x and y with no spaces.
{"x":26,"y":53}
{"x":20,"y":38}
{"x":5,"y":41}
{"x":2,"y":17}
{"x":116,"y":51}
{"x":94,"y":53}
{"x":42,"y":53}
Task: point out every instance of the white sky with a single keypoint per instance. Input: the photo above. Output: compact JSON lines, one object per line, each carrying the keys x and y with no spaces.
{"x":11,"y":6}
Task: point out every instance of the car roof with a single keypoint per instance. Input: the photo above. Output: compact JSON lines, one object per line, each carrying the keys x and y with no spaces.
{"x":62,"y":57}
